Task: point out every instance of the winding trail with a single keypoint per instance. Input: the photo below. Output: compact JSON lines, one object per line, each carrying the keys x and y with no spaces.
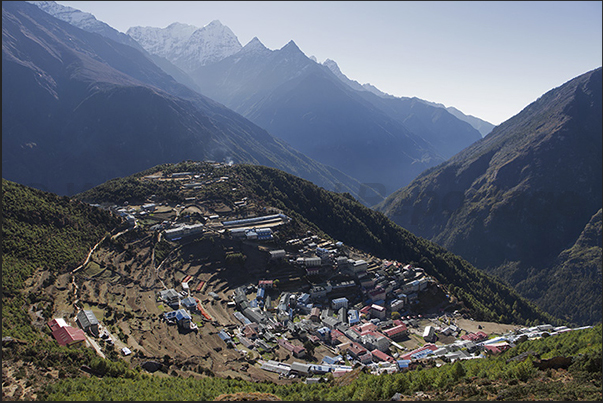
{"x":89,"y":254}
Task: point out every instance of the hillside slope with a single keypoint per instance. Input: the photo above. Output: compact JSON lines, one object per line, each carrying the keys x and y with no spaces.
{"x":514,"y":201}
{"x":34,"y":366}
{"x":42,"y":232}
{"x":341,"y":217}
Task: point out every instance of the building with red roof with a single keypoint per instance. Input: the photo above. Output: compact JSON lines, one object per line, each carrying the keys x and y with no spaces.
{"x":396,"y":332}
{"x":420,"y":352}
{"x":497,"y":348}
{"x":365,"y":327}
{"x":356,"y":350}
{"x":66,"y":335}
{"x":365,"y":310}
{"x":381,"y":356}
{"x":474,"y":336}
{"x":298,"y":351}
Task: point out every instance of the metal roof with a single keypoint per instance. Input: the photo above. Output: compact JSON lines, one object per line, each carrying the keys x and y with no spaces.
{"x":87,"y":318}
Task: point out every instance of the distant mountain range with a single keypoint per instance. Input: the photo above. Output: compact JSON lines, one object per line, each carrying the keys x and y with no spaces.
{"x":370,"y":135}
{"x":524,"y":203}
{"x":380,"y":140}
{"x":79,"y":109}
{"x":89,"y":23}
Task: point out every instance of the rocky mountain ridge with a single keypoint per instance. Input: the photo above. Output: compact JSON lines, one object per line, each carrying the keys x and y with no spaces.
{"x":187,"y":46}
{"x":82,"y":109}
{"x":513,"y":201}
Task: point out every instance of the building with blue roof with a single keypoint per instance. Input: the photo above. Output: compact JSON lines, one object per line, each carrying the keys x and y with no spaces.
{"x":303,"y":299}
{"x":241,"y":318}
{"x":324,"y":333}
{"x":353,"y":317}
{"x":421,"y":354}
{"x":189,"y":303}
{"x":332,"y":360}
{"x":260,"y":293}
{"x":180,"y":316}
{"x":224,"y":336}
{"x":264,"y":234}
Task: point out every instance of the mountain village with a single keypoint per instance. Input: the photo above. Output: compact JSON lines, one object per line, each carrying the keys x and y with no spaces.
{"x":352,"y":310}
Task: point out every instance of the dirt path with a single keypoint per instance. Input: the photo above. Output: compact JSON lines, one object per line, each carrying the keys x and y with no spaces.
{"x":89,"y":254}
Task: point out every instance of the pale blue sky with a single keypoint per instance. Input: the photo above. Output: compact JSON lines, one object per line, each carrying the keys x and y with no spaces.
{"x":489,"y":59}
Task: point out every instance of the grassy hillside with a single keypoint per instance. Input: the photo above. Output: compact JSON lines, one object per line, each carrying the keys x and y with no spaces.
{"x":46,"y":232}
{"x":578,"y":268}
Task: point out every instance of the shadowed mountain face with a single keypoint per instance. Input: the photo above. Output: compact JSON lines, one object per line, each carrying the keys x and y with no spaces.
{"x":512,"y":202}
{"x":89,"y":23}
{"x":79,"y":109}
{"x":383,"y":141}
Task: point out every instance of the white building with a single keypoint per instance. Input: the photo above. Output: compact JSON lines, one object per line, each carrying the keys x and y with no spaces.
{"x":359,"y":265}
{"x":429,"y":334}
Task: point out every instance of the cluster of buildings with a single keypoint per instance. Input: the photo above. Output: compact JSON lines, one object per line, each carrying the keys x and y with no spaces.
{"x":347,"y":309}
{"x":360,"y":335}
{"x":389,"y":285}
{"x":182,"y":305}
{"x":476,"y":345}
{"x":67,"y":335}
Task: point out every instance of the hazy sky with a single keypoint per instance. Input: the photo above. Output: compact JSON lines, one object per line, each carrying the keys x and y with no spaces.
{"x":489,"y":59}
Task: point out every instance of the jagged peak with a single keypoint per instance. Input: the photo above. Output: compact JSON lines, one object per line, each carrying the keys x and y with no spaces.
{"x":332,"y":65}
{"x":255,"y":45}
{"x":179,"y":25}
{"x":215,"y":28}
{"x":215,"y":23}
{"x":291,"y":46}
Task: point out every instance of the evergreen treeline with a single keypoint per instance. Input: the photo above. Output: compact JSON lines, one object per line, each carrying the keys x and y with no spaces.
{"x":46,"y":231}
{"x":509,"y":376}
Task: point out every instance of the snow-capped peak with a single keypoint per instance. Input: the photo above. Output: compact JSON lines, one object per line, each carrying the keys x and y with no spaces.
{"x":332,"y":65}
{"x":187,"y":46}
{"x":71,"y":15}
{"x":215,"y":23}
{"x":85,"y":21}
{"x":160,"y":41}
{"x":180,"y":29}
